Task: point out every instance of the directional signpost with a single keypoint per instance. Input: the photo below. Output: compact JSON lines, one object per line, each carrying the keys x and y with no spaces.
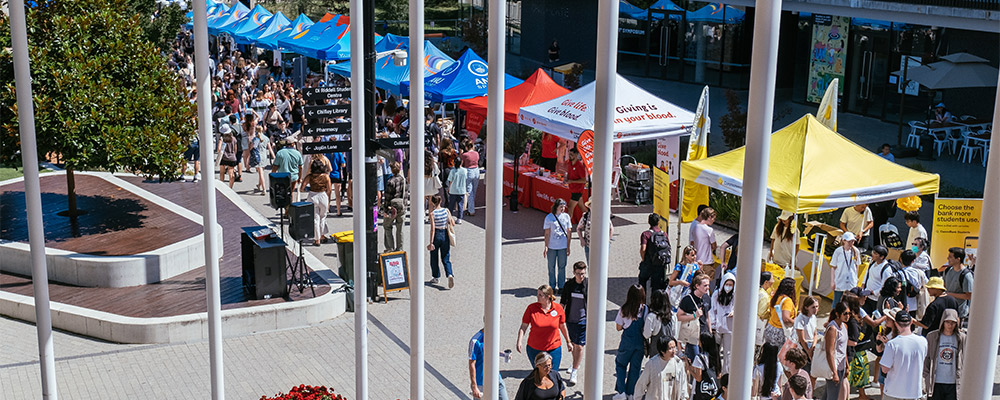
{"x":335,"y":146}
{"x":328,"y":111}
{"x":338,"y":128}
{"x":326,"y":92}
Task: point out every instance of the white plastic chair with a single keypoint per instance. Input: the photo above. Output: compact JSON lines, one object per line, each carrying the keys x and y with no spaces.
{"x":968,"y":151}
{"x":955,"y":136}
{"x":940,"y":141}
{"x":916,"y":127}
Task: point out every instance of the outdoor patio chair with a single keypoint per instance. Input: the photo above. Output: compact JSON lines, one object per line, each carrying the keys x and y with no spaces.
{"x":968,"y":151}
{"x":916,"y":128}
{"x":940,"y":141}
{"x":956,"y":136}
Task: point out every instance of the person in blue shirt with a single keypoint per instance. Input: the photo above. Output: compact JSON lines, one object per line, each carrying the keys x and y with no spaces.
{"x":476,"y":347}
{"x":338,"y":165}
{"x":885,"y":151}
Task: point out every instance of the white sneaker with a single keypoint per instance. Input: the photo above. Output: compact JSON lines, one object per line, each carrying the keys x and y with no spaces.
{"x":619,"y":396}
{"x":434,"y":281}
{"x":572,"y":376}
{"x":451,"y":281}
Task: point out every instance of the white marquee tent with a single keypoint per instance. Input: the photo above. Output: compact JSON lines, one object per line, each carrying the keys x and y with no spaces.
{"x":639,"y":115}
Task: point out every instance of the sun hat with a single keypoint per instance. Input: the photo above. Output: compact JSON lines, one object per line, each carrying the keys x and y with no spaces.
{"x":891,"y":312}
{"x":785,"y":215}
{"x":847,"y":236}
{"x":935,"y":282}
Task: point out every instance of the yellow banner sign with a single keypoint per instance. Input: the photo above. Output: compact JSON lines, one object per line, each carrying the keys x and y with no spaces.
{"x":956,"y":224}
{"x":661,"y":196}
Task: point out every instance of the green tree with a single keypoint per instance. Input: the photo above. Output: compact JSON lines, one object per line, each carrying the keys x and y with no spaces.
{"x":104,"y":97}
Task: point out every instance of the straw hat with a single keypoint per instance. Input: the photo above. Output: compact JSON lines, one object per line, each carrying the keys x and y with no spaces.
{"x":785,"y":215}
{"x":935,"y":283}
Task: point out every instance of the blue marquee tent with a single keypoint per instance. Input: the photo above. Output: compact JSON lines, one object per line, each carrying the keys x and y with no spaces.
{"x":713,"y":13}
{"x":388,"y":75}
{"x":270,"y":41}
{"x":213,"y":10}
{"x":626,"y":9}
{"x":466,"y":78}
{"x":274,"y":24}
{"x":254,"y":19}
{"x":235,"y":13}
{"x":318,"y":37}
{"x":392,"y":42}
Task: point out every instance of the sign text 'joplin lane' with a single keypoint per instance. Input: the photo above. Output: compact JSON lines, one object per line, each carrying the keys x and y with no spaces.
{"x":328,"y":111}
{"x":337,"y":128}
{"x":336,"y":146}
{"x":326,"y":92}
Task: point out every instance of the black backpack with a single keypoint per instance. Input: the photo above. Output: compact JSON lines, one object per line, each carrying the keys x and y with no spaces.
{"x":707,"y":388}
{"x":658,"y":249}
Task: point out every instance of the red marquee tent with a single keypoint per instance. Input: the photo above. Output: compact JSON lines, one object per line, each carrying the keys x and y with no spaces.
{"x":537,"y":88}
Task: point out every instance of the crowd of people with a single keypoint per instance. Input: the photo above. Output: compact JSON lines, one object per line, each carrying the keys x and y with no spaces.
{"x":900,"y":328}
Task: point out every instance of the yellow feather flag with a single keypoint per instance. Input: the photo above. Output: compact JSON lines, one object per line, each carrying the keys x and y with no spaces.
{"x":697,"y":194}
{"x":827,"y":113}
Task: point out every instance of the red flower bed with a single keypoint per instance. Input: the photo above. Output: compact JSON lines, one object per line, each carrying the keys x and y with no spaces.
{"x":306,"y":392}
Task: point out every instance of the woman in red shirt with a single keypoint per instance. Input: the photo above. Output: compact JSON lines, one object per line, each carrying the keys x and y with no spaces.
{"x":546,"y":319}
{"x":550,"y":144}
{"x":576,"y":178}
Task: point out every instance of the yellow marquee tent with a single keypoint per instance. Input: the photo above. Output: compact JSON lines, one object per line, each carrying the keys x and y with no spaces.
{"x":814,"y":169}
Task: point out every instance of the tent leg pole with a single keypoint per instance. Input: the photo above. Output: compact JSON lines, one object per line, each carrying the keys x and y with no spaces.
{"x":680,"y":216}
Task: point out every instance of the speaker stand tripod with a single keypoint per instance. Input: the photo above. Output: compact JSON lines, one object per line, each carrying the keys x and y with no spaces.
{"x":299,"y":276}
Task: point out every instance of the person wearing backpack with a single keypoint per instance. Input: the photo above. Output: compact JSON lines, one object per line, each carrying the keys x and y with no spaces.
{"x":878,"y":271}
{"x":660,"y":321}
{"x":958,"y":280}
{"x":654,"y":251}
{"x":705,"y":367}
{"x":915,"y":281}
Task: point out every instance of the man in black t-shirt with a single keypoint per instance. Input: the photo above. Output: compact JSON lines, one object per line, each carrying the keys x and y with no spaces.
{"x":574,"y":301}
{"x":942,"y":301}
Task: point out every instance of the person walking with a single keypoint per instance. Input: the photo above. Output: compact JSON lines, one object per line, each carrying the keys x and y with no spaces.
{"x":945,"y":355}
{"x":227,"y":153}
{"x":763,"y":309}
{"x":546,"y":320}
{"x":941,"y":303}
{"x":476,"y":368}
{"x":432,"y":178}
{"x":659,"y":321}
{"x":628,"y":360}
{"x":651,"y":266}
{"x":319,"y":195}
{"x":782,"y":313}
{"x":440,"y":246}
{"x":835,"y":341}
{"x":805,"y":329}
{"x":958,"y":279}
{"x":395,"y":211}
{"x":794,"y":363}
{"x":338,"y":176}
{"x":902,"y":362}
{"x":289,"y":160}
{"x":260,"y":151}
{"x":705,"y":368}
{"x":721,"y":316}
{"x":783,"y":240}
{"x":543,"y":383}
{"x":844,"y":266}
{"x":457,"y":191}
{"x":692,"y":316}
{"x":574,"y":301}
{"x":558,"y":234}
{"x":766,"y":373}
{"x":664,"y":376}
{"x":704,"y":240}
{"x":684,"y":272}
{"x":470,"y":160}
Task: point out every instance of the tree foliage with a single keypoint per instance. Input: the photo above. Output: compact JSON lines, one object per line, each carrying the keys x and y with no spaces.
{"x":103,"y":95}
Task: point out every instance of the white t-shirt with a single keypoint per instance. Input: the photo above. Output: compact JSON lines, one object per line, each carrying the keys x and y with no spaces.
{"x":704,"y":237}
{"x":758,"y":375}
{"x":557,"y":232}
{"x":847,"y":263}
{"x":875,"y":278}
{"x":904,"y":356}
{"x":919,"y":231}
{"x":808,"y":327}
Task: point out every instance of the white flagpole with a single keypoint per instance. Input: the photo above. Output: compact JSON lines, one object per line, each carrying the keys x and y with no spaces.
{"x":416,"y":257}
{"x":33,"y":197}
{"x":358,"y":162}
{"x":494,"y":195}
{"x":208,"y":210}
{"x":763,"y":69}
{"x":597,"y":292}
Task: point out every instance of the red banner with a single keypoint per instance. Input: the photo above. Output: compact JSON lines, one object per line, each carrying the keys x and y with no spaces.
{"x":585,"y":145}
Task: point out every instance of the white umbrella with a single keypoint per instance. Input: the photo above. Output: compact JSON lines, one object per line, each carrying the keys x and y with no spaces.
{"x":958,"y":70}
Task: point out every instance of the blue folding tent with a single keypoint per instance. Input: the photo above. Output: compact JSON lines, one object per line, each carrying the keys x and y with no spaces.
{"x":464,"y":79}
{"x":235,"y":13}
{"x":254,"y":19}
{"x":270,"y":41}
{"x":388,"y":75}
{"x":274,"y":24}
{"x":317,"y":38}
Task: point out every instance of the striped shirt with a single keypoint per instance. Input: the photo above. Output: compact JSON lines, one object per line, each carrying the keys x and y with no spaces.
{"x":440,"y":218}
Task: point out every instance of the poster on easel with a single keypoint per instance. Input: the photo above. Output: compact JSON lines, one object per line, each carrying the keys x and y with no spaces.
{"x":828,"y":58}
{"x":956,"y":224}
{"x":395,"y":272}
{"x":668,"y":160}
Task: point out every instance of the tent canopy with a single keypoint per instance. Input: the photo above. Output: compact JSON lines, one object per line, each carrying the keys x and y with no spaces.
{"x":639,"y":115}
{"x":388,"y":75}
{"x":254,"y":19}
{"x":235,"y":13}
{"x":313,"y":41}
{"x":275,"y":23}
{"x":807,"y":172}
{"x":956,"y":70}
{"x":537,"y":88}
{"x":465,"y":78}
{"x":641,"y":14}
{"x":270,"y":41}
{"x":713,"y":13}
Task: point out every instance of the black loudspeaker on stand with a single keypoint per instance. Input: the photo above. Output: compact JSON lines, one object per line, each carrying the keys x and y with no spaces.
{"x":281,"y":189}
{"x":300,"y":228}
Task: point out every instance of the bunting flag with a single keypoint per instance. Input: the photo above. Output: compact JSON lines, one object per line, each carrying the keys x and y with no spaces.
{"x":827,"y":113}
{"x":697,"y":194}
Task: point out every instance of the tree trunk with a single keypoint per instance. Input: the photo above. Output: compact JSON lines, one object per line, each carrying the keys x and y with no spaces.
{"x":71,"y":193}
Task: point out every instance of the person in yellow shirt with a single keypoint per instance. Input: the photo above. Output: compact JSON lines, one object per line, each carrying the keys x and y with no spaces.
{"x":782,"y":313}
{"x":763,"y":308}
{"x":858,"y":219}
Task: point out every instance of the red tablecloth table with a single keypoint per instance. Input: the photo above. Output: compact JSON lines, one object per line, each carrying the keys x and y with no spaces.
{"x":538,"y":192}
{"x":524,"y":182}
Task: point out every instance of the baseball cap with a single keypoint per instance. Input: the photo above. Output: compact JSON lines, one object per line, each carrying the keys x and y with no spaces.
{"x":224,"y":129}
{"x":940,"y":105}
{"x":847,"y":236}
{"x":902,"y":317}
{"x":861,"y":292}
